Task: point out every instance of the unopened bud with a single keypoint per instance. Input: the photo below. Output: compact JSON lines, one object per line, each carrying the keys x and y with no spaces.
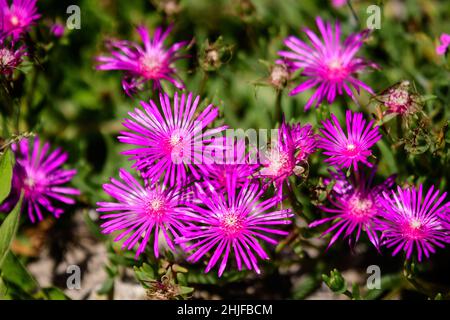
{"x":335,"y":281}
{"x":214,"y":55}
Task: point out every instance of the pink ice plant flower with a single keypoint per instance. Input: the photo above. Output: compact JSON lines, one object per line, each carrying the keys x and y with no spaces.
{"x":232,"y":161}
{"x":140,"y":212}
{"x":354,"y":207}
{"x":414,"y":223}
{"x":329,"y":65}
{"x":304,"y":139}
{"x":233,"y":223}
{"x":151,"y":63}
{"x":285,"y":156}
{"x":351,"y":147}
{"x":39,"y":175}
{"x":441,"y":49}
{"x":338,"y":3}
{"x":16,"y":19}
{"x":170,"y":141}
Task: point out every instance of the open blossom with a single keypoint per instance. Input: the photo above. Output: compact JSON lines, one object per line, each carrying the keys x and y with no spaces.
{"x":441,"y":49}
{"x":232,"y":161}
{"x":329,"y":65}
{"x":413,"y":223}
{"x":232,"y":223}
{"x":347,"y":149}
{"x":140,"y":212}
{"x":285,"y":157}
{"x":445,"y":216}
{"x":153,"y":62}
{"x":10,"y":57}
{"x":17,"y":18}
{"x":305,"y":141}
{"x":170,"y":141}
{"x":355,"y":206}
{"x":38,"y":174}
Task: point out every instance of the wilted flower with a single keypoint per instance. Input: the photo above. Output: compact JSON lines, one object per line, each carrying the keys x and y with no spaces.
{"x":400,"y":99}
{"x":140,"y":212}
{"x":441,"y":49}
{"x":347,"y":149}
{"x":10,"y":58}
{"x":18,"y":17}
{"x":412,"y":222}
{"x":153,"y":62}
{"x":40,"y":177}
{"x":279,"y":75}
{"x":169,"y":143}
{"x":355,"y":205}
{"x":329,"y":65}
{"x":231,"y":223}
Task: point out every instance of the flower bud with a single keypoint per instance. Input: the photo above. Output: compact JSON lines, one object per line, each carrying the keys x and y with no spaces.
{"x":214,"y":55}
{"x":335,"y":281}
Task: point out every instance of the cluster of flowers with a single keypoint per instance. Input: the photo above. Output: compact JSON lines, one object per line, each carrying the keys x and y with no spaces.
{"x":225,"y":208}
{"x":209,"y":215}
{"x":38,"y":173}
{"x":404,"y":220}
{"x":198,"y":204}
{"x":16,"y":20}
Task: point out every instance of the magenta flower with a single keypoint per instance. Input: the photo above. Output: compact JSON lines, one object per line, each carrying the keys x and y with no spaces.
{"x":232,"y":222}
{"x":153,"y":62}
{"x":57,"y":30}
{"x":169,"y":143}
{"x":441,"y":49}
{"x":10,"y":58}
{"x":233,"y":161}
{"x":346,"y":149}
{"x":355,"y":207}
{"x":445,"y":216}
{"x":305,"y":141}
{"x":295,"y":143}
{"x":413,"y":223}
{"x":141,"y":211}
{"x":329,"y":65}
{"x":17,"y":18}
{"x":338,"y":3}
{"x":38,"y":174}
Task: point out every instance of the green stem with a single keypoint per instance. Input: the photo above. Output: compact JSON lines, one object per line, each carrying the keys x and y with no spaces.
{"x":348,"y":294}
{"x":353,"y":12}
{"x":17,"y":119}
{"x":202,"y":85}
{"x":6,"y":96}
{"x":30,"y":96}
{"x":278,"y":116}
{"x":399,"y":128}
